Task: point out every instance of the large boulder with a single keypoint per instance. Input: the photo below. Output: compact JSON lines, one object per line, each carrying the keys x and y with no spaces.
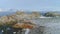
{"x":52,"y":14}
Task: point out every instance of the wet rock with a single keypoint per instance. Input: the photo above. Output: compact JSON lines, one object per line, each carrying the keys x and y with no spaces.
{"x":37,"y":30}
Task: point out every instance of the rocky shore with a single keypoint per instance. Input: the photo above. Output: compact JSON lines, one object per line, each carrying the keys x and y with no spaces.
{"x":19,"y":21}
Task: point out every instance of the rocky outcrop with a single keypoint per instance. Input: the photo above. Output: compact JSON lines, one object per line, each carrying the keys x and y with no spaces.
{"x":37,"y":30}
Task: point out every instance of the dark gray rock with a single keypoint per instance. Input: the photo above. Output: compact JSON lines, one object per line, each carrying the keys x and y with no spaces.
{"x":38,"y":30}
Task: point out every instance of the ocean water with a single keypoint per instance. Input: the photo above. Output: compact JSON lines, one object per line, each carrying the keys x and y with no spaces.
{"x":6,"y":13}
{"x":52,"y":25}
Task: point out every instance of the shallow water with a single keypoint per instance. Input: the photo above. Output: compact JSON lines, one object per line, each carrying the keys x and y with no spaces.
{"x":52,"y":25}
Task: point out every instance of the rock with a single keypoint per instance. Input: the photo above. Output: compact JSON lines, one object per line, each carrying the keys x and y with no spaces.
{"x":38,"y":30}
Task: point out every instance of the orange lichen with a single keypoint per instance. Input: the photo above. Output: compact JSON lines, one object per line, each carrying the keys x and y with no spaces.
{"x":23,"y":26}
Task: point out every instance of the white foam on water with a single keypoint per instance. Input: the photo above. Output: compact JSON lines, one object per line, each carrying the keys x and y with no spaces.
{"x":27,"y":31}
{"x":2,"y":31}
{"x":14,"y":32}
{"x":44,"y":17}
